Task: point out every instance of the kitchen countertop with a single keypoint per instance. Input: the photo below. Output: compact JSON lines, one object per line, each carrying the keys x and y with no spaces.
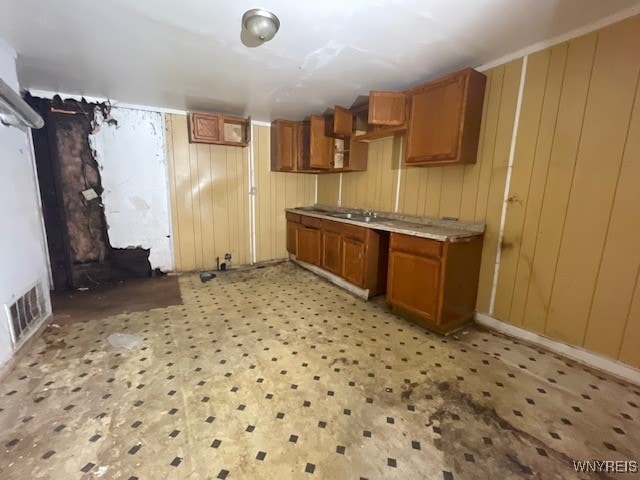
{"x":425,"y":227}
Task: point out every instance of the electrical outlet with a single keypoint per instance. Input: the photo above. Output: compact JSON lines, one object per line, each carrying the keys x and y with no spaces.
{"x":227,"y":257}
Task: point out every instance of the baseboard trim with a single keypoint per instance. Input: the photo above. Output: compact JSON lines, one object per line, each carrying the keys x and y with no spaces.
{"x":581,"y":355}
{"x":336,"y":280}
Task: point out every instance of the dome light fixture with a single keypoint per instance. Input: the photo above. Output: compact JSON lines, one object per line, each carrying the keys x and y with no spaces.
{"x":260,"y":24}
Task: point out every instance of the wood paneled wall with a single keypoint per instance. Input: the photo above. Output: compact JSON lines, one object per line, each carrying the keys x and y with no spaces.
{"x":328,"y":189}
{"x":275,"y":192}
{"x":570,"y":255}
{"x":209,"y":187}
{"x":376,"y":188}
{"x":210,"y":201}
{"x":571,"y":249}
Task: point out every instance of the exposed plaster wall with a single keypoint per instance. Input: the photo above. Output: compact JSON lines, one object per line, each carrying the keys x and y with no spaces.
{"x":132,"y":158}
{"x":22,"y":248}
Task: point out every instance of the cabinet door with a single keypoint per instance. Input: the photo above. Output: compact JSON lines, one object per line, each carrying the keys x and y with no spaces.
{"x":414,"y":284}
{"x":331,"y":249}
{"x":387,"y":108}
{"x":308,"y":245}
{"x":284,"y":145}
{"x":291,"y":236}
{"x":353,"y":261}
{"x":435,"y":120}
{"x":320,"y":146}
{"x":204,"y":128}
{"x":341,"y":124}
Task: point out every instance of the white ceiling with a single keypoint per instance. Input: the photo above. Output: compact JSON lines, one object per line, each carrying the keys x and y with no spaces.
{"x":188,"y":54}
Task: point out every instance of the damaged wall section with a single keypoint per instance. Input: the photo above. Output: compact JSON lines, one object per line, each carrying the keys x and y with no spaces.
{"x":129,"y":146}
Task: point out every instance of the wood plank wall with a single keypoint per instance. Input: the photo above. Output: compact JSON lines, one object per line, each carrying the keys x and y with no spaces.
{"x":210,"y":201}
{"x":571,"y":250}
{"x":376,"y":188}
{"x":570,"y":255}
{"x":275,"y":192}
{"x":208,"y":187}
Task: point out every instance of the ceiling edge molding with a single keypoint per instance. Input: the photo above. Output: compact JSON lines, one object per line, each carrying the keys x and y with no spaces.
{"x":577,"y":32}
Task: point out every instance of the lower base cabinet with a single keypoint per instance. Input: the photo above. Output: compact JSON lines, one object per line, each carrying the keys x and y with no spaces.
{"x":357,"y":254}
{"x":308,"y":245}
{"x":353,"y":261}
{"x":434,"y":283}
{"x":331,"y":251}
{"x":292,"y":227}
{"x":421,"y":295}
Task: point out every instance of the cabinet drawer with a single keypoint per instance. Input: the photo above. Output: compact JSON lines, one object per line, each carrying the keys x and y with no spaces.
{"x":331,"y":226}
{"x":418,"y":246}
{"x":310,"y":221}
{"x":353,"y":231}
{"x":293,"y":217}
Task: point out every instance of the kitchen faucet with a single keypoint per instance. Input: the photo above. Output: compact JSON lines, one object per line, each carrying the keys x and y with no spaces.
{"x":367,"y":212}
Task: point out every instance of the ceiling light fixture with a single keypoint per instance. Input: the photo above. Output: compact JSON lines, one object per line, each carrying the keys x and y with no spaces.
{"x":260,"y":24}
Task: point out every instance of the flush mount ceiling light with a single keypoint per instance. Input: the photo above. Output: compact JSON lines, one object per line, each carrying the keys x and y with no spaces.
{"x":260,"y":24}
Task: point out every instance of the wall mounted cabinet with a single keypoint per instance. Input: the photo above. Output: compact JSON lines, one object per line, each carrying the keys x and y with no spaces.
{"x":441,"y":120}
{"x":304,"y":147}
{"x":387,"y":108}
{"x":340,"y":123}
{"x":383,"y":115}
{"x":444,"y":118}
{"x":285,"y":150}
{"x":219,"y":129}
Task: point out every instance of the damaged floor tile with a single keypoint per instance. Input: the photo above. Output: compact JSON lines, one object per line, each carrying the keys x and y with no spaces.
{"x":275,"y":373}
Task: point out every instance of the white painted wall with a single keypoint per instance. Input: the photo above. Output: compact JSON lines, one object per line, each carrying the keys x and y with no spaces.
{"x":22,"y":243}
{"x":133,"y":163}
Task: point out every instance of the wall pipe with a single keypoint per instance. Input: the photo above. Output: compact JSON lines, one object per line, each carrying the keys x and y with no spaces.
{"x":15,"y":111}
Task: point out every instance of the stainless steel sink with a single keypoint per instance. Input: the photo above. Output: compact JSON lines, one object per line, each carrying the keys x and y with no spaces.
{"x":358,"y":217}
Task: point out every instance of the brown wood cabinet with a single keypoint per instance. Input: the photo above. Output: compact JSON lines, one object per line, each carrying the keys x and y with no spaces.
{"x":434,"y":283}
{"x":320,"y":152}
{"x":444,"y":118}
{"x":354,"y":262}
{"x":219,"y":129}
{"x":293,"y":221}
{"x":303,"y":147}
{"x":419,"y":296}
{"x":387,"y":108}
{"x":331,"y":252}
{"x":292,"y":228}
{"x":308,"y":244}
{"x":357,"y":254}
{"x":340,"y":124}
{"x":285,"y":150}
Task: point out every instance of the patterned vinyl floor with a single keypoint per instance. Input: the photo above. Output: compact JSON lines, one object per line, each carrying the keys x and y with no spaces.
{"x":274,"y":373}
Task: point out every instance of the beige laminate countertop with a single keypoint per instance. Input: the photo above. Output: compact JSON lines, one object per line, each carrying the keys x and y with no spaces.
{"x":433,"y":228}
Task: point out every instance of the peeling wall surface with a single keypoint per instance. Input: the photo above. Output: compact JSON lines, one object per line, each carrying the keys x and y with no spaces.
{"x":22,"y":249}
{"x":132,"y":158}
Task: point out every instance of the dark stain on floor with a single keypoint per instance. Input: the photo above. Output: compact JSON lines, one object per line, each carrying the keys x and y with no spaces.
{"x":135,"y":295}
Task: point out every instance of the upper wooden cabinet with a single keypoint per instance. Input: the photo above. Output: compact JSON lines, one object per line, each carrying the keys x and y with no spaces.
{"x":320,"y":152}
{"x":340,"y":124}
{"x":444,"y":118}
{"x":384,"y":115}
{"x":219,"y":129}
{"x":285,"y":150}
{"x":387,"y":108}
{"x":304,"y":147}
